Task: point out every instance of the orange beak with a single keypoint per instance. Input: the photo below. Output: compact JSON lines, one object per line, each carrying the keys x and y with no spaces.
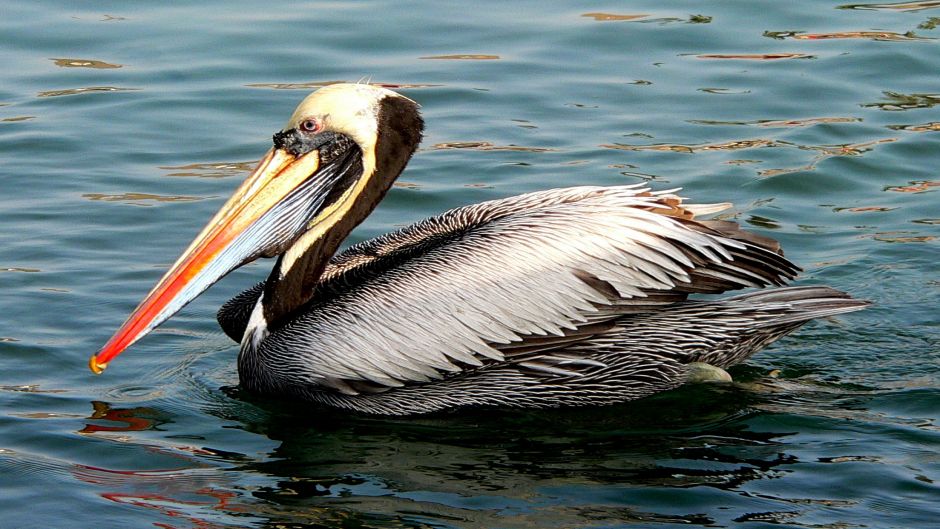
{"x":266,"y":213}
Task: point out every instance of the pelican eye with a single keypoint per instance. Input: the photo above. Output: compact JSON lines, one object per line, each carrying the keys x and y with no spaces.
{"x":309,"y":125}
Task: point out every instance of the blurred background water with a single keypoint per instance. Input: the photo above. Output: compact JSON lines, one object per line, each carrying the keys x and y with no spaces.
{"x":124,"y":125}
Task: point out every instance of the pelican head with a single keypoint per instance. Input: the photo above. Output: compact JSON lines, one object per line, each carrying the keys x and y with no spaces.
{"x":329,"y":167}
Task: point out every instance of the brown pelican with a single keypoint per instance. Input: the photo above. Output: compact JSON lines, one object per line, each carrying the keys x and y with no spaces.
{"x":563,"y":297}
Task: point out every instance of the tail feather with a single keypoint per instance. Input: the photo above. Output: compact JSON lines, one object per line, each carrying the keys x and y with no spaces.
{"x":805,"y":302}
{"x":768,"y":315}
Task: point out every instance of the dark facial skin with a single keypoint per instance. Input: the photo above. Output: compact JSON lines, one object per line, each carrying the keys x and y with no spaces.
{"x":298,"y":143}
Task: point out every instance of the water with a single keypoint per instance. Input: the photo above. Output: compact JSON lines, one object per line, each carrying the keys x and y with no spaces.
{"x":124,"y":126}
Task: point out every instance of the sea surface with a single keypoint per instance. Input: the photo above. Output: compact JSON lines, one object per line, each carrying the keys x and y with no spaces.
{"x":125,"y":125}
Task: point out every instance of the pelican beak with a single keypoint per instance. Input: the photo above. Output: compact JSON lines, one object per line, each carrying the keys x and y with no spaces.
{"x":267,"y":213}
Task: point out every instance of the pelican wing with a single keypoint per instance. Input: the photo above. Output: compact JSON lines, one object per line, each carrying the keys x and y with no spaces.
{"x":510,"y":281}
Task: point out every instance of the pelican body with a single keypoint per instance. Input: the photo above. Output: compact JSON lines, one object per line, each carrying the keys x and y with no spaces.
{"x":564,"y":297}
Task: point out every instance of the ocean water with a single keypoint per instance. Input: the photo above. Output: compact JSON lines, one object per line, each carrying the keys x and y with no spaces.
{"x":125,"y":125}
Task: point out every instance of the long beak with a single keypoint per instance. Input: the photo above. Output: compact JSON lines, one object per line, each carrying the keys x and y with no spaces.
{"x":264,"y":214}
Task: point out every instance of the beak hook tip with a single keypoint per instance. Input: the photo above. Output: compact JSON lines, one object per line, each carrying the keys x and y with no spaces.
{"x":96,"y":367}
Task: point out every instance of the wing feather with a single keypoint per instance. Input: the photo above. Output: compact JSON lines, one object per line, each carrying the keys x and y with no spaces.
{"x":493,"y":282}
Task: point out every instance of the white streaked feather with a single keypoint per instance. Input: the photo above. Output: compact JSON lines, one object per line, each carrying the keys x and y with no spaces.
{"x":510,"y":275}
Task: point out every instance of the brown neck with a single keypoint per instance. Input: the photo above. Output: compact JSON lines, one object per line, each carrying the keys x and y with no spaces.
{"x":292,"y":284}
{"x":297,"y":273}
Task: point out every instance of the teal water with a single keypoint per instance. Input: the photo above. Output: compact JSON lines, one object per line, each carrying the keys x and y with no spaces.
{"x":123,"y":126}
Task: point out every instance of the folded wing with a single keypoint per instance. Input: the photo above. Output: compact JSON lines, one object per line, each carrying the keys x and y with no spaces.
{"x":499,"y":281}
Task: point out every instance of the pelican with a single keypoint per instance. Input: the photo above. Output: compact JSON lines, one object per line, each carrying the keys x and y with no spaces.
{"x":565,"y":297}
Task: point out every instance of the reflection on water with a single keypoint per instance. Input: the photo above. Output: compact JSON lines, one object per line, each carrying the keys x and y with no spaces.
{"x":916,"y":186}
{"x":85,"y":90}
{"x":780,"y":123}
{"x":900,"y":6}
{"x":84,"y":63}
{"x":313,"y":85}
{"x":210,"y":170}
{"x":933,"y":126}
{"x":477,"y":469}
{"x":756,"y":56}
{"x":127,"y":419}
{"x":486,"y":146}
{"x":726,"y":146}
{"x":612,"y":17}
{"x":139,"y":199}
{"x":463,"y":57}
{"x":514,"y":469}
{"x":869,"y":35}
{"x":608,"y":17}
{"x":901,"y":236}
{"x":188,"y":496}
{"x":898,"y":101}
{"x":824,"y":152}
